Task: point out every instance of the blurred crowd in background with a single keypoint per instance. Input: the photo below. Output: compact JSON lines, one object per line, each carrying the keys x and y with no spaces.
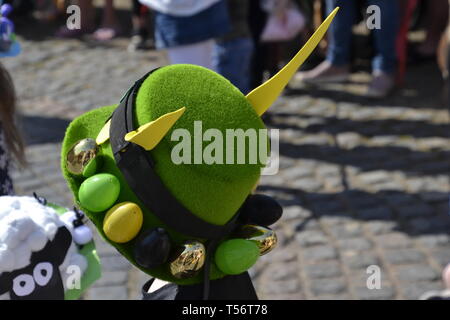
{"x":248,"y":40}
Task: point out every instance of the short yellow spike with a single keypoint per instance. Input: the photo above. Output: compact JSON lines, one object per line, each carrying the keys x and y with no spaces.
{"x":265,"y":95}
{"x":150,"y":134}
{"x":103,"y":135}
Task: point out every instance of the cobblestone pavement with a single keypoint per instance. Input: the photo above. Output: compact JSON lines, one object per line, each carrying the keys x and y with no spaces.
{"x":362,"y":183}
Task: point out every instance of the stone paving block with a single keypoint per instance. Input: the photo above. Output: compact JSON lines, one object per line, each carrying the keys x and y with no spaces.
{"x":399,"y":199}
{"x":112,"y":278}
{"x":413,"y":273}
{"x":434,"y":240}
{"x":114,"y":263}
{"x":107,"y":293}
{"x":280,"y":271}
{"x":384,"y":293}
{"x":327,"y":171}
{"x":354,"y":244}
{"x":311,"y":238}
{"x":358,"y":260}
{"x":434,"y":196}
{"x":319,"y":253}
{"x":274,"y":288}
{"x":361,"y":200}
{"x":375,"y":177}
{"x":376,"y":213}
{"x":414,"y":290}
{"x":329,"y":269}
{"x":364,"y":277}
{"x":283,"y":254}
{"x":297,"y":172}
{"x":414,"y":210}
{"x":296,"y":212}
{"x":104,"y":249}
{"x":404,"y":256}
{"x":442,"y":256}
{"x":395,"y":240}
{"x":377,"y":227}
{"x":348,"y":140}
{"x":327,"y":207}
{"x":307,"y":224}
{"x":306,"y":184}
{"x":429,"y":224}
{"x":336,"y":219}
{"x":320,"y":287}
{"x":347,"y":230}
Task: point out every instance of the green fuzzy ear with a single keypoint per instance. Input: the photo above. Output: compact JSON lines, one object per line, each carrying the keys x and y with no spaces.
{"x":212,"y":192}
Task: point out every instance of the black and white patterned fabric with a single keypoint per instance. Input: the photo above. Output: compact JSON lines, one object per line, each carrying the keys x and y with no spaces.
{"x":6,"y":186}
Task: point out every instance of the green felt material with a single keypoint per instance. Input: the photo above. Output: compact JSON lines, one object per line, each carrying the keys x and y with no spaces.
{"x":212,"y":192}
{"x":93,"y":271}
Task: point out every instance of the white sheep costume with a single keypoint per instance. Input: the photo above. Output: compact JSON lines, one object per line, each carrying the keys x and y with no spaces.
{"x":27,"y":228}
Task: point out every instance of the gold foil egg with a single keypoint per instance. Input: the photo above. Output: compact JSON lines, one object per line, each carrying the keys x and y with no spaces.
{"x":189,"y":260}
{"x":265,"y":238}
{"x":82,"y":158}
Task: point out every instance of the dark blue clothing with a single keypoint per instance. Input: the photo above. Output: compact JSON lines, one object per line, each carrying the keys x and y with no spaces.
{"x":340,"y":33}
{"x":232,"y":60}
{"x":172,"y":31}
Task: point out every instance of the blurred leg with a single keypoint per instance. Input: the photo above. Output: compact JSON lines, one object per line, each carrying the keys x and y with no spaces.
{"x":340,"y":32}
{"x":87,"y":21}
{"x":336,"y":67}
{"x":385,"y":37}
{"x":384,"y":63}
{"x":109,"y":28}
{"x":232,"y":60}
{"x":200,"y":54}
{"x":109,"y":14}
{"x":436,"y":22}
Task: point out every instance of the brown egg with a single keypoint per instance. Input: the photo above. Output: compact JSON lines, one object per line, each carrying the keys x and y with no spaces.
{"x":188,"y":260}
{"x":265,"y":238}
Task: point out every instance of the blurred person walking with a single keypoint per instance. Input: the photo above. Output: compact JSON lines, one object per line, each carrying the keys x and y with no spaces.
{"x":336,"y":68}
{"x":273,"y":24}
{"x":436,"y":17}
{"x":140,"y":21}
{"x":108,"y":30}
{"x":11,"y":144}
{"x":187,"y":29}
{"x":233,"y":52}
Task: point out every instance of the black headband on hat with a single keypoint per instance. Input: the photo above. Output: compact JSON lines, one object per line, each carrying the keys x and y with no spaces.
{"x":138,"y":169}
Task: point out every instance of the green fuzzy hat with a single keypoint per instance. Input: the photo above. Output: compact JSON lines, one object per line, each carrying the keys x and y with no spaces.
{"x":214,"y":192}
{"x":171,"y":98}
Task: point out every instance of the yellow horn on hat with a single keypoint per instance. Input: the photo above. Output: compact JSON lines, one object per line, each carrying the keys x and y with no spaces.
{"x":150,"y":134}
{"x":265,"y":95}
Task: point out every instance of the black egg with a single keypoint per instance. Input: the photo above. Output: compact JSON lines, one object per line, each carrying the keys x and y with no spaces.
{"x":152,"y":248}
{"x":261,"y":210}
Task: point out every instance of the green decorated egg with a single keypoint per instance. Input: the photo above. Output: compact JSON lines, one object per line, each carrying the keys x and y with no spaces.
{"x":99,"y":192}
{"x":236,"y":256}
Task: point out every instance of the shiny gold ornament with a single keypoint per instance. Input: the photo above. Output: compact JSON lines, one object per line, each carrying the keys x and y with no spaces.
{"x":189,"y":260}
{"x":81,"y":159}
{"x":265,"y":238}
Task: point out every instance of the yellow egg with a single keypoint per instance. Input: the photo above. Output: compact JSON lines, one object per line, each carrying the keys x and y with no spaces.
{"x":123,"y":222}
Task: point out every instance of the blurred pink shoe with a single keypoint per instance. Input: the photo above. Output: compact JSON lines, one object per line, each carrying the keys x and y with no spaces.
{"x":446,"y":276}
{"x":325,"y":72}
